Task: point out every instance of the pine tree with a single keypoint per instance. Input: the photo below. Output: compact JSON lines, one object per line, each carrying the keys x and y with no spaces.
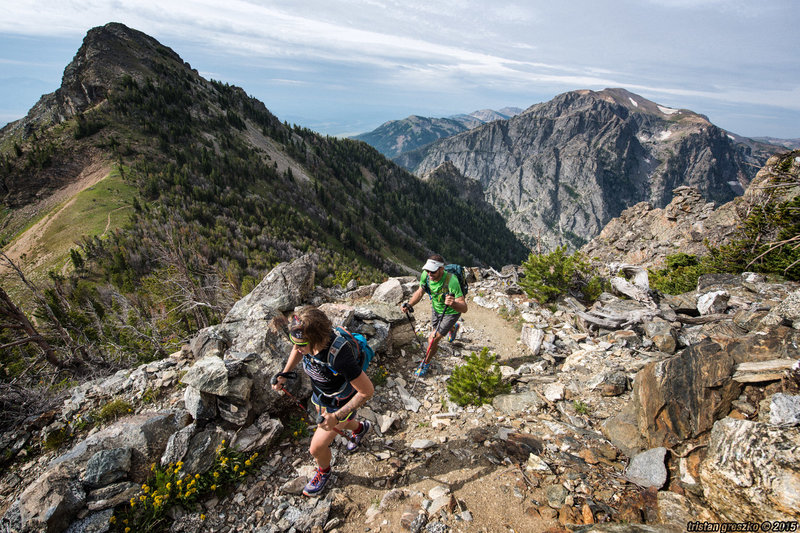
{"x":477,"y":381}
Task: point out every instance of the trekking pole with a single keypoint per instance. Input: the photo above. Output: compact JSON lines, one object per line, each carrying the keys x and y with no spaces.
{"x":424,"y":360}
{"x":408,"y":316}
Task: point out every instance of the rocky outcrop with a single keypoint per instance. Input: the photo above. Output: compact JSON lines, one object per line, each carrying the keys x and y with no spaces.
{"x":645,"y":233}
{"x":561,"y":170}
{"x":751,"y":471}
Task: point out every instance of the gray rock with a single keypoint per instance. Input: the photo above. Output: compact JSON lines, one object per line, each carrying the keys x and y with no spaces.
{"x":209,"y":375}
{"x":713,"y":302}
{"x":178,"y":445}
{"x":647,"y":469}
{"x":315,"y":514}
{"x":106,"y":467}
{"x":409,"y":402}
{"x":233,"y":412}
{"x":389,"y":292}
{"x":94,"y":523}
{"x":202,"y":453}
{"x":662,"y":334}
{"x":751,"y":472}
{"x":53,"y":501}
{"x":511,"y":404}
{"x":284,"y":288}
{"x":532,"y":337}
{"x":257,"y":436}
{"x":112,"y":495}
{"x":784,"y":410}
{"x":786,"y":312}
{"x":555,"y":494}
{"x":146,"y":434}
{"x":238,"y":389}
{"x":201,"y":405}
{"x":622,"y":430}
{"x":340,"y":315}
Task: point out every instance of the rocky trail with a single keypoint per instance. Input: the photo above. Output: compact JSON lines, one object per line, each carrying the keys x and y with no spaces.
{"x":629,"y":428}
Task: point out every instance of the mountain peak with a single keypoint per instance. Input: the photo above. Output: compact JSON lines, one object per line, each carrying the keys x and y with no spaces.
{"x":107,"y":53}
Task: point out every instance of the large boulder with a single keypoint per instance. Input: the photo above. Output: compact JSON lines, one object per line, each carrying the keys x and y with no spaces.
{"x":681,"y":397}
{"x":284,"y":288}
{"x":53,"y":501}
{"x":751,"y":471}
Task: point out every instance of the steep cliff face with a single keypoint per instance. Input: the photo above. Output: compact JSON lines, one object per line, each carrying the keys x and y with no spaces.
{"x":561,"y":170}
{"x":646,"y":235}
{"x":448,"y":176}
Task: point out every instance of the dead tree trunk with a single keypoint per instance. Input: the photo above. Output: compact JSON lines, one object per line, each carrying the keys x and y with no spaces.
{"x":18,"y":320}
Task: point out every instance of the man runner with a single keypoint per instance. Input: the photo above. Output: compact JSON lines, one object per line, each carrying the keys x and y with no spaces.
{"x":447,"y":302}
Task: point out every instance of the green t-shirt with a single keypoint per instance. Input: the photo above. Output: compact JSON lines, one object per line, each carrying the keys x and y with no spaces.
{"x":438,"y":293}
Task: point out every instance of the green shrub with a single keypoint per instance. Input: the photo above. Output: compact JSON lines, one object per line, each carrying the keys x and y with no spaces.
{"x":54,"y":439}
{"x":379,"y":376}
{"x":477,"y":381}
{"x":769,"y":242}
{"x":555,"y":274}
{"x":680,"y":273}
{"x":113,"y":410}
{"x":580,"y":407}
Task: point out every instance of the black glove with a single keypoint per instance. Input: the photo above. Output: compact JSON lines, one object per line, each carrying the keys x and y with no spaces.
{"x":407,"y":308}
{"x":287,"y":375}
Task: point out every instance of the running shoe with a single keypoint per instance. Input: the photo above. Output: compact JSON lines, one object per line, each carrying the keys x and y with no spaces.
{"x":422,"y":370}
{"x":355,"y":438}
{"x":317,"y":483}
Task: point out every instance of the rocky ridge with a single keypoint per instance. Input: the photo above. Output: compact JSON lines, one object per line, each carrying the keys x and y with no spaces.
{"x":397,"y":136}
{"x":644,"y":234}
{"x":559,"y":171}
{"x":641,"y":420}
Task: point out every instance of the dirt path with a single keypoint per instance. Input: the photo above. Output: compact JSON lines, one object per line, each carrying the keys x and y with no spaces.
{"x":457,"y":457}
{"x":26,"y":244}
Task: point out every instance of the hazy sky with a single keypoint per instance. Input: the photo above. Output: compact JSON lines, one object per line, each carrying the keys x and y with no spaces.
{"x":346,"y":66}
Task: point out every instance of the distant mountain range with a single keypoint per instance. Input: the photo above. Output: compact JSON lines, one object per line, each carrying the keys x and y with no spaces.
{"x":397,"y":136}
{"x":560,"y":170}
{"x":789,"y":144}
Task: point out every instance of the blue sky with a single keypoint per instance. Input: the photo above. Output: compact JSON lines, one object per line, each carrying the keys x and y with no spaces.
{"x":344,"y":67}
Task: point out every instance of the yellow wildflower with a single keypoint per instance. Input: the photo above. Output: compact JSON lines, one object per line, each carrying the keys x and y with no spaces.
{"x":214,"y":487}
{"x":236,"y":468}
{"x":202,"y":517}
{"x":113,"y":519}
{"x":127,"y":530}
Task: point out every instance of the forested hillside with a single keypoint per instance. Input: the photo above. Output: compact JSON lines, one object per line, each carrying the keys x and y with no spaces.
{"x":221,"y":192}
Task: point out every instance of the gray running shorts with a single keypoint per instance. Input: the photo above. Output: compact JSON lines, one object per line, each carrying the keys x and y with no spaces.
{"x":443,"y":323}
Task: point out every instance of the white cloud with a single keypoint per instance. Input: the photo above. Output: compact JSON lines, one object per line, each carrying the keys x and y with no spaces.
{"x":455,"y":47}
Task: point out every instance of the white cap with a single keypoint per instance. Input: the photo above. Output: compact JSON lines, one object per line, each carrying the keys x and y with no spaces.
{"x":432,"y":265}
